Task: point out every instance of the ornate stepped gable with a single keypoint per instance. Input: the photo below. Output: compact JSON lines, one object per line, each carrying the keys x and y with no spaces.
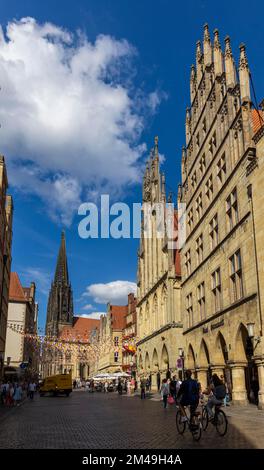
{"x":60,"y":303}
{"x":218,"y":93}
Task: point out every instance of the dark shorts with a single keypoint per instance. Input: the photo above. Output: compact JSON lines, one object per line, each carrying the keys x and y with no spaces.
{"x":192,"y":405}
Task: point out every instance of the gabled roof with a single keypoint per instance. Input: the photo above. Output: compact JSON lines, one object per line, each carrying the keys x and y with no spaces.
{"x":118,"y":316}
{"x":16,"y":291}
{"x":81,"y":329}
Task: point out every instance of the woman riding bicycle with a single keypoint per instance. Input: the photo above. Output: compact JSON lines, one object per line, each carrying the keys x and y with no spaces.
{"x":217,"y":392}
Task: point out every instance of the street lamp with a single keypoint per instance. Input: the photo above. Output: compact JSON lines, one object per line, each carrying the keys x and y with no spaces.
{"x":252,"y":337}
{"x":250,"y":328}
{"x":181,"y":355}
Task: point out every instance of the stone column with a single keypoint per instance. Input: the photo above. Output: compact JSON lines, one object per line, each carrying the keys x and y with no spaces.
{"x":260,"y":365}
{"x":202,"y":377}
{"x":239,"y":392}
{"x":153,"y":381}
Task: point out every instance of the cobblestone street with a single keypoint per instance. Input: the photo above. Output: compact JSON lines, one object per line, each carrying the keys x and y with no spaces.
{"x":93,"y":421}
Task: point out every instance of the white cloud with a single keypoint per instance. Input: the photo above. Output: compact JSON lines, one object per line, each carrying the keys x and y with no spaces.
{"x":92,"y":315}
{"x":87,"y":307}
{"x":37,"y":275}
{"x":71,"y":121}
{"x":115,"y":292}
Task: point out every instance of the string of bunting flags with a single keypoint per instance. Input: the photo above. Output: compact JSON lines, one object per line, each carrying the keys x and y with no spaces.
{"x":79,"y":344}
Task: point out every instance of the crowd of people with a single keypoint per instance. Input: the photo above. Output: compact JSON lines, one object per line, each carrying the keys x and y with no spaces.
{"x":12,"y":393}
{"x":121,"y":386}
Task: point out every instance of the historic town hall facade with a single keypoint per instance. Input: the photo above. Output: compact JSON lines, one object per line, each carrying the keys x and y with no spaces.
{"x":222,"y":186}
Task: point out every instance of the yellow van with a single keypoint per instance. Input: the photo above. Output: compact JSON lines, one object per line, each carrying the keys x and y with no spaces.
{"x":57,"y":384}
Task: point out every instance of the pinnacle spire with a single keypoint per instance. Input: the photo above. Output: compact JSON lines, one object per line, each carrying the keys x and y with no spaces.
{"x":229,"y":64}
{"x":193,"y":82}
{"x":199,"y":61}
{"x":183,"y":153}
{"x":61,"y":273}
{"x":218,"y":55}
{"x":188,"y":125}
{"x":207,"y":46}
{"x":244,"y":77}
{"x":183,"y":162}
{"x":156,"y":147}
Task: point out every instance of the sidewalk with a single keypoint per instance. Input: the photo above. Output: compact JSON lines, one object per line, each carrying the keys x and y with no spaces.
{"x":5,"y":411}
{"x":248,"y":420}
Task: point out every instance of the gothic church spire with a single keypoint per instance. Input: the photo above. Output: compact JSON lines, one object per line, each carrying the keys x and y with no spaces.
{"x":61,"y":273}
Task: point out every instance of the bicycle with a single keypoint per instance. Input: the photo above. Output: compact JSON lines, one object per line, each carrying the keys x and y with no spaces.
{"x":219,"y":419}
{"x":195,"y":427}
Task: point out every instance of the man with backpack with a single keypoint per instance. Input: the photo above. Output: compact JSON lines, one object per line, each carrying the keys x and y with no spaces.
{"x":188,"y":395}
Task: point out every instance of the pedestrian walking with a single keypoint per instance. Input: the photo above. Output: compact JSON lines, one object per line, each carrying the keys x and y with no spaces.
{"x":31,"y":389}
{"x":143,"y":388}
{"x":133,"y":385}
{"x":91,"y":387}
{"x":178,"y":386}
{"x":3,"y":393}
{"x":10,"y":392}
{"x":173,"y":387}
{"x":165,"y":391}
{"x":147,"y":385}
{"x":227,"y":392}
{"x":119,"y":387}
{"x":150,"y":380}
{"x":17,"y":395}
{"x":158,"y":380}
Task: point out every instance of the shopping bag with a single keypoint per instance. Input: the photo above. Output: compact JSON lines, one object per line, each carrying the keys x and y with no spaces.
{"x":170,"y":400}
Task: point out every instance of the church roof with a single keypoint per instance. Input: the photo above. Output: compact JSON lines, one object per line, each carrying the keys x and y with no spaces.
{"x":61,"y":273}
{"x":81,"y":329}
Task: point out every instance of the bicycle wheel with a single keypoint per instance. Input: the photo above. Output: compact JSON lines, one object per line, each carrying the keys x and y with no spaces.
{"x":196,"y":430}
{"x":179,"y":424}
{"x":221,"y":423}
{"x":205,"y":419}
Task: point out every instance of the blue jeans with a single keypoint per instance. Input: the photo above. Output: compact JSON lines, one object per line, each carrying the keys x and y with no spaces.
{"x":211,"y":403}
{"x":165,"y":399}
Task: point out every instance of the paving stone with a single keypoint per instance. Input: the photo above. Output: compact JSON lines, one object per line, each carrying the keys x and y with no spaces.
{"x":110,"y":421}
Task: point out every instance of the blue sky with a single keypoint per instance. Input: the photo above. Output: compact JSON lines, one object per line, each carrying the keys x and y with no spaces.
{"x":143,"y":51}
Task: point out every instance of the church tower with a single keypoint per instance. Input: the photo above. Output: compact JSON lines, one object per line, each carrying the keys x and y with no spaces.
{"x":60,"y":303}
